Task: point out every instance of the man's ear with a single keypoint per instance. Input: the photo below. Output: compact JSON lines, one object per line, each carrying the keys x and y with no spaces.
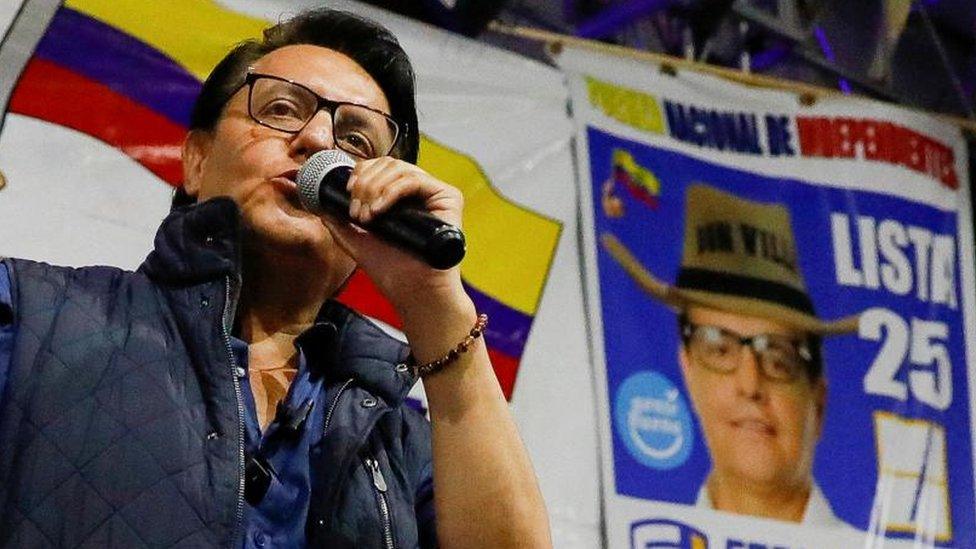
{"x":196,"y":150}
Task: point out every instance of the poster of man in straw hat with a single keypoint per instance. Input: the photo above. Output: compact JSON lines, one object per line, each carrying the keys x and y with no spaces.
{"x":750,"y":354}
{"x":756,"y":371}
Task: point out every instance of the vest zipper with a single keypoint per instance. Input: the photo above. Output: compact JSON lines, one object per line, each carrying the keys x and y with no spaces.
{"x":380,"y":484}
{"x":225,"y":332}
{"x":332,"y":407}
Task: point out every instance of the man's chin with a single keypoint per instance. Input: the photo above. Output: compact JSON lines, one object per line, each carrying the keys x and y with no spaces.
{"x":760,"y":470}
{"x":304,"y":234}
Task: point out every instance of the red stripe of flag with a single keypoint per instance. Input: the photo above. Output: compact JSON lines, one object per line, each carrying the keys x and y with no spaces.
{"x":506,"y":369}
{"x":634,"y":188}
{"x":52,"y":93}
{"x":362,"y":295}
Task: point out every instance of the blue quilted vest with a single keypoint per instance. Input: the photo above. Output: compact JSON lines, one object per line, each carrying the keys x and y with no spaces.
{"x":121,"y":423}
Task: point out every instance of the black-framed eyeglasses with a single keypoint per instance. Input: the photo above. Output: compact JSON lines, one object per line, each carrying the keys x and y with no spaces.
{"x":283,"y":105}
{"x":781,"y":357}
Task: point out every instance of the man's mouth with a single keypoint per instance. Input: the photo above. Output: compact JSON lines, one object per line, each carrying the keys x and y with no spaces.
{"x":290,"y":175}
{"x":285,"y":183}
{"x":754,"y":425}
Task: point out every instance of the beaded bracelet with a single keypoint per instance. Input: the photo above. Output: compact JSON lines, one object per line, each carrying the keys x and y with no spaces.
{"x":453,"y":354}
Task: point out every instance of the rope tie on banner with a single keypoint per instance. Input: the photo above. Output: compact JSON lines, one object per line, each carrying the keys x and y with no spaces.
{"x":807,"y":94}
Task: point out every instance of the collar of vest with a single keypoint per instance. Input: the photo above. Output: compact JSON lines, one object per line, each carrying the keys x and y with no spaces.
{"x":197,"y":243}
{"x":202,"y":242}
{"x":345,"y":344}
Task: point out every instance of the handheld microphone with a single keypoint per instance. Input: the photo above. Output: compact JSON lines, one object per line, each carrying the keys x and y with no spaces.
{"x":322,"y":189}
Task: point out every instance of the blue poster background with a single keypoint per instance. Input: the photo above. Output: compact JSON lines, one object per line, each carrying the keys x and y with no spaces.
{"x":640,"y":334}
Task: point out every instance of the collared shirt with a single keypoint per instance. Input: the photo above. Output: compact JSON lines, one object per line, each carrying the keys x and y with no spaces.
{"x":278,"y":518}
{"x":817,"y":513}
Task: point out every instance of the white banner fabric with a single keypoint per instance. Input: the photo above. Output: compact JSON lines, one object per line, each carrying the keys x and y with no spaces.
{"x":782,"y":313}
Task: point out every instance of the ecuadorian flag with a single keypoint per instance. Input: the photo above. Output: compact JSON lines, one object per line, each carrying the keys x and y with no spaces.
{"x":639,"y":181}
{"x":126,"y":72}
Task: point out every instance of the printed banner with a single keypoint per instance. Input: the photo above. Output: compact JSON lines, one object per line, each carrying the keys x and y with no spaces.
{"x":782,"y":312}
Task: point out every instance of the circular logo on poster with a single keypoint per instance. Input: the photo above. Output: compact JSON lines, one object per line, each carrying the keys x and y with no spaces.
{"x":652,"y":419}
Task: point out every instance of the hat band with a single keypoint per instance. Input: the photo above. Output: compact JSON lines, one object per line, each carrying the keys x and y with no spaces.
{"x":745,"y":286}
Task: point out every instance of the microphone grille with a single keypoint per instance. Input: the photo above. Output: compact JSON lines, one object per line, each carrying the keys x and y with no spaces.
{"x":311,"y":174}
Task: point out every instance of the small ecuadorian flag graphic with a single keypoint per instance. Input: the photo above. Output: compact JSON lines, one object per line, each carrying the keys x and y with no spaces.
{"x":639,"y":181}
{"x":666,"y":534}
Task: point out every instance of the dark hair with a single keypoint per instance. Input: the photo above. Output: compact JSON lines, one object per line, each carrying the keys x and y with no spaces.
{"x":814,"y":343}
{"x":367,"y":43}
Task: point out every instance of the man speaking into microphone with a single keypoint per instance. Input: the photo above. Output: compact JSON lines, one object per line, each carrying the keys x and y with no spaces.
{"x":218,"y":396}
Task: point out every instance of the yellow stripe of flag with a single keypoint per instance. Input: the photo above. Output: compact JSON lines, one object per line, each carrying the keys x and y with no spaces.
{"x":641,"y":175}
{"x":194,"y":33}
{"x":510,"y":248}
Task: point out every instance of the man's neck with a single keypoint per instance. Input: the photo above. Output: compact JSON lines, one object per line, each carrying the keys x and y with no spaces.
{"x":280,"y":297}
{"x":781,"y":502}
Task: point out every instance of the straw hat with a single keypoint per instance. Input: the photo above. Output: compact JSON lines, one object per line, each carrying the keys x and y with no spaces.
{"x":739,"y":256}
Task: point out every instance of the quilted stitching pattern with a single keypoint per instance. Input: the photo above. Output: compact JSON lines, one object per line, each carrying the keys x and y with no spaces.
{"x":110,"y":421}
{"x":110,"y":436}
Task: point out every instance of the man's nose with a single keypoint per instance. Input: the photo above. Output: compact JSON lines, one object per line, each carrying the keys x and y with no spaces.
{"x":317,"y":135}
{"x":749,"y":378}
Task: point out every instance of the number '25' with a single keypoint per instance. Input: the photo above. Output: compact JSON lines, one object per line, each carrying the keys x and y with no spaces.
{"x":924,"y":344}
